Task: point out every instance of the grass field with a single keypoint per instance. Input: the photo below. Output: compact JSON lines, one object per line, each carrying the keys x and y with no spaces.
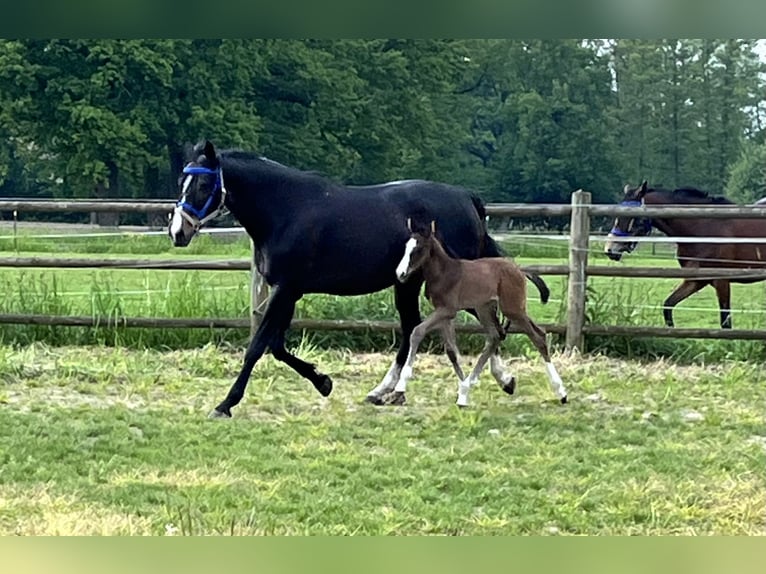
{"x":113,"y":438}
{"x":97,"y":440}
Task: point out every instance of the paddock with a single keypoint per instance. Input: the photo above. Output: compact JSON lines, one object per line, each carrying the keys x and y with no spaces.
{"x":104,"y":439}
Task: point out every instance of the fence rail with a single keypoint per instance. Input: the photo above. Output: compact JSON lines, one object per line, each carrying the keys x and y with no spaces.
{"x":578,"y":270}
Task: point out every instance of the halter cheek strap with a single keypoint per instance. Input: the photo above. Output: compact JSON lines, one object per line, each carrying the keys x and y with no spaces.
{"x":619,"y":232}
{"x":199,"y":217}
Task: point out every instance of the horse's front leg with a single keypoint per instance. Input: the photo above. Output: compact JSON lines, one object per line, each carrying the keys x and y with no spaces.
{"x":686,"y":289}
{"x":407,"y":304}
{"x":270,"y":333}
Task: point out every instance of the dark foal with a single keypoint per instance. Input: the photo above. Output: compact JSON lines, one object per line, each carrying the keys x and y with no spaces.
{"x":481,"y":284}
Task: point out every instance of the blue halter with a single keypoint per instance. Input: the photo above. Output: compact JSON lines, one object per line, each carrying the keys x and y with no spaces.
{"x":647,"y":227}
{"x":204,"y":214}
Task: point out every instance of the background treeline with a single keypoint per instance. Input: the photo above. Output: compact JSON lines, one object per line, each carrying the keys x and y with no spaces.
{"x":516,"y":120}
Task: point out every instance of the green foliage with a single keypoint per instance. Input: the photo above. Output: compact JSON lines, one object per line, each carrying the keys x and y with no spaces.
{"x":747,"y":182}
{"x":517,"y":120}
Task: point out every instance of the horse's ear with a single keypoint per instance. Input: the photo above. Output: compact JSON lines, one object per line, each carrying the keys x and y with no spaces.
{"x":642,"y":189}
{"x":409,"y":224}
{"x":433,"y":227}
{"x":209,"y":151}
{"x":626,"y":189}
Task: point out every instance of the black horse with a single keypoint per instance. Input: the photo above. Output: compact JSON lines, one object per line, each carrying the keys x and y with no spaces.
{"x":699,"y":254}
{"x":313,"y":235}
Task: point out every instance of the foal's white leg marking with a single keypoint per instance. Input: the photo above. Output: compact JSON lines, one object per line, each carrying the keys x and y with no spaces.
{"x":464,"y":388}
{"x":556,"y":383}
{"x":406,"y":375}
{"x":497,"y":368}
{"x":388,"y":382}
{"x":404,"y":264}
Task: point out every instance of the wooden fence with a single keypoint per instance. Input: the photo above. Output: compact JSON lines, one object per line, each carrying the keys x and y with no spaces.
{"x":580,"y":211}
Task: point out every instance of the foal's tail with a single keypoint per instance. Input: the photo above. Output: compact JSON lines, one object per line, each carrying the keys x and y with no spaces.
{"x":540,"y":284}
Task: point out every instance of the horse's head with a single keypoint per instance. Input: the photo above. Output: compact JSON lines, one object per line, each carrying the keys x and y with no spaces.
{"x":416,"y":250}
{"x":202,"y":195}
{"x":624,"y":227}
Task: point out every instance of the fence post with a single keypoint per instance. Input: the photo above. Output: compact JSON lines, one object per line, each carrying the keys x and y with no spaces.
{"x":578,"y":261}
{"x":259,"y":293}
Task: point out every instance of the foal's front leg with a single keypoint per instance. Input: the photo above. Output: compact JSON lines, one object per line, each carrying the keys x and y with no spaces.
{"x":450,"y":347}
{"x":434,"y":320}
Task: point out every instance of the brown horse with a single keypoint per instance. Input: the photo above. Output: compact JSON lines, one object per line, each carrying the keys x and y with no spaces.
{"x":690,"y":255}
{"x":482,"y":284}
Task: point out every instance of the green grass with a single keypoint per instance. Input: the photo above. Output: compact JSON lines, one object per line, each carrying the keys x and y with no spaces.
{"x":101,"y":440}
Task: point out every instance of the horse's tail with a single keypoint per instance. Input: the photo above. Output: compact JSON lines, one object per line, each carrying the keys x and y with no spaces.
{"x":540,"y":284}
{"x":489,"y":247}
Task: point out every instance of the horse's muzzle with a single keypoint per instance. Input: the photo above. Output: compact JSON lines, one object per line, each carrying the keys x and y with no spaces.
{"x":614,"y":255}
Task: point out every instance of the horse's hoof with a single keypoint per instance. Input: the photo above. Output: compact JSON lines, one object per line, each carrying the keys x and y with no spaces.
{"x":373,"y":400}
{"x":509,"y":386}
{"x":324,"y":385}
{"x":564,"y":400}
{"x":216,"y":414}
{"x":395,"y":398}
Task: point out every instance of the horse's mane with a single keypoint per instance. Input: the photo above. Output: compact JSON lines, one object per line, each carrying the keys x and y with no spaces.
{"x":248,"y":157}
{"x":693,"y":195}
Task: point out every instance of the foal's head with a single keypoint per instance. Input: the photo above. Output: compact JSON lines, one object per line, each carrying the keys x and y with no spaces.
{"x":627,"y":226}
{"x":202,"y":195}
{"x":417,"y":250}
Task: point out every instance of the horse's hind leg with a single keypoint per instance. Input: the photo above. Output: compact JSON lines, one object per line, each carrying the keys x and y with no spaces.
{"x":488,"y":318}
{"x":684,"y":290}
{"x":407,"y":304}
{"x":723,"y":290}
{"x":537,"y":336}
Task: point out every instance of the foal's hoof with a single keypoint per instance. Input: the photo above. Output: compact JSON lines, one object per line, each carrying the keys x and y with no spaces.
{"x":564,"y":400}
{"x":395,"y":398}
{"x":509,"y":386}
{"x":373,"y":400}
{"x":323,"y":384}
{"x":216,"y":414}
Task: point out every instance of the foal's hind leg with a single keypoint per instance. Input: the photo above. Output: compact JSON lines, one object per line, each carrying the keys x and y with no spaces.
{"x":537,"y":336}
{"x":487,"y":316}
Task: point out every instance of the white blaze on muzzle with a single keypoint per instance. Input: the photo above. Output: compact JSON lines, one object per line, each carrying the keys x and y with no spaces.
{"x":176,"y":223}
{"x":199,"y":217}
{"x":404,"y":264}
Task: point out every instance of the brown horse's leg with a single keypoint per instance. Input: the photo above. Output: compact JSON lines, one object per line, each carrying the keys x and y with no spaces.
{"x":450,"y":347}
{"x":723,"y":290}
{"x":487,"y":316}
{"x":684,"y":290}
{"x":431,"y":322}
{"x":537,"y":336}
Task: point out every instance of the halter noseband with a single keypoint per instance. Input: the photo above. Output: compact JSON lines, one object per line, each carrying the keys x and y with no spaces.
{"x":646,"y":226}
{"x":199,"y":217}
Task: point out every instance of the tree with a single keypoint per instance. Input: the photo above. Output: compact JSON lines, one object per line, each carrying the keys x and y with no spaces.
{"x":747,"y":182}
